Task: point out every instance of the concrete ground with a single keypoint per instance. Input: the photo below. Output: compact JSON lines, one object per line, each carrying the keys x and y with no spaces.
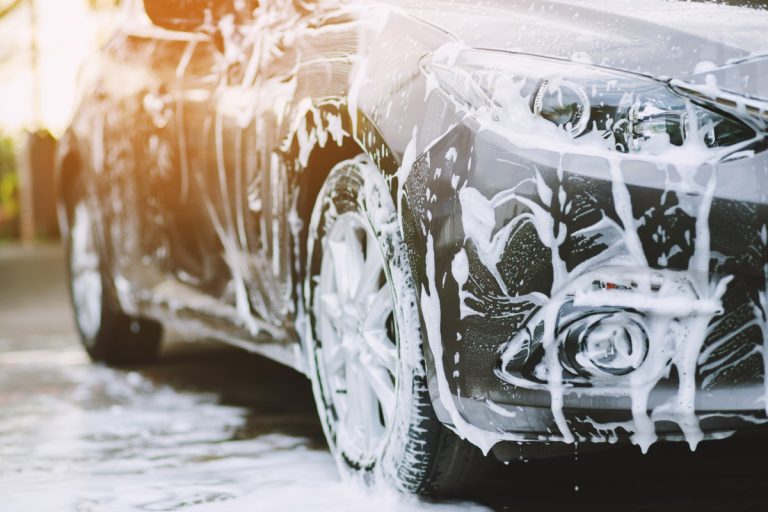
{"x":211,"y":428}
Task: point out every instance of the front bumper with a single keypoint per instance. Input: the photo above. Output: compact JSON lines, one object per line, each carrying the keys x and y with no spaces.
{"x":505,"y":238}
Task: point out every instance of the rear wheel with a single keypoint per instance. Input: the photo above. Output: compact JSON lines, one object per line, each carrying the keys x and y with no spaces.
{"x":107,"y":334}
{"x":364,"y":341}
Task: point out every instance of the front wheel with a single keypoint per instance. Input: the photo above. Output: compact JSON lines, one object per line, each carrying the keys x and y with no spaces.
{"x":365,"y":346}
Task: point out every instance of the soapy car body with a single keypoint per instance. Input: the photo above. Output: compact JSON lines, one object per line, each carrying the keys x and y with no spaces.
{"x":582,"y":191}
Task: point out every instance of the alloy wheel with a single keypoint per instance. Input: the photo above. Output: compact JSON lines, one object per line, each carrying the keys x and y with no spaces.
{"x":358,"y":361}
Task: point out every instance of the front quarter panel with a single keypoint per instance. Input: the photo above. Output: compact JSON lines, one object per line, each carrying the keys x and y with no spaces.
{"x":509,"y":236}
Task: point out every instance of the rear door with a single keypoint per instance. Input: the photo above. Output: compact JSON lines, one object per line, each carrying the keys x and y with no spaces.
{"x":135,"y":154}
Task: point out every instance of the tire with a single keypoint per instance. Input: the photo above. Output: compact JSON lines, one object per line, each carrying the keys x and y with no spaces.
{"x":364,"y":343}
{"x":107,"y":334}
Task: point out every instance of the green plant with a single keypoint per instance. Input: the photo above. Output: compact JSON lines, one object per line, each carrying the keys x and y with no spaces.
{"x":9,"y":189}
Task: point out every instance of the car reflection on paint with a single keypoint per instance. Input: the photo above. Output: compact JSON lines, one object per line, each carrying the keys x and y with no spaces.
{"x":552,"y":231}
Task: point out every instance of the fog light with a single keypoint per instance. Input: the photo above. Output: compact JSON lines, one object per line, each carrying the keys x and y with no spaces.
{"x":604,"y":343}
{"x":613,"y":347}
{"x":602,"y":329}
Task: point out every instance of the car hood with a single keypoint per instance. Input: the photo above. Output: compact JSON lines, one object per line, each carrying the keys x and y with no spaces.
{"x":670,"y":39}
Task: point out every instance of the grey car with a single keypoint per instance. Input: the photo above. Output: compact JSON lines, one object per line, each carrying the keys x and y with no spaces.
{"x":484,"y":230}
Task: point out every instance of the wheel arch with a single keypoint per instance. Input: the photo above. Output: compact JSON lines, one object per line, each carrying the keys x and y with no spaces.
{"x":323,"y":136}
{"x":326,"y":134}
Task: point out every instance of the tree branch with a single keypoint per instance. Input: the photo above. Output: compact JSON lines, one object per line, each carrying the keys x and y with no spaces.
{"x":7,"y":9}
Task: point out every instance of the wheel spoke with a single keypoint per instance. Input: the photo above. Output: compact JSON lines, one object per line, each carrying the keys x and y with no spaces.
{"x":355,"y":396}
{"x":383,"y":387}
{"x":334,"y":359}
{"x":331,"y":304}
{"x":372,"y":270}
{"x":381,"y":307}
{"x":356,"y":260}
{"x":338,"y":252}
{"x":382,"y":348}
{"x":368,"y":404}
{"x":348,"y":261}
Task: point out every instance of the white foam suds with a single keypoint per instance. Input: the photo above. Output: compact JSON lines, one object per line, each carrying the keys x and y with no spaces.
{"x":116,"y":442}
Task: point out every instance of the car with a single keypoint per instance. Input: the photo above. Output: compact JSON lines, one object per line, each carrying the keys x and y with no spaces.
{"x":484,"y":231}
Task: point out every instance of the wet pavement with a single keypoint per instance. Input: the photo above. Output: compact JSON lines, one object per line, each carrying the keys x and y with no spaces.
{"x":211,"y":428}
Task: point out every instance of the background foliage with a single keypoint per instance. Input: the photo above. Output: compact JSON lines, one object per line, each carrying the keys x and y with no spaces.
{"x":9,"y":189}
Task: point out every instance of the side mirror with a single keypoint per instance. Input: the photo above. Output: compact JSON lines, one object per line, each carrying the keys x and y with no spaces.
{"x":184,"y":15}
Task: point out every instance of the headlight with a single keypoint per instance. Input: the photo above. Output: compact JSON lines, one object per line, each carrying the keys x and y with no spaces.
{"x":619,"y":111}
